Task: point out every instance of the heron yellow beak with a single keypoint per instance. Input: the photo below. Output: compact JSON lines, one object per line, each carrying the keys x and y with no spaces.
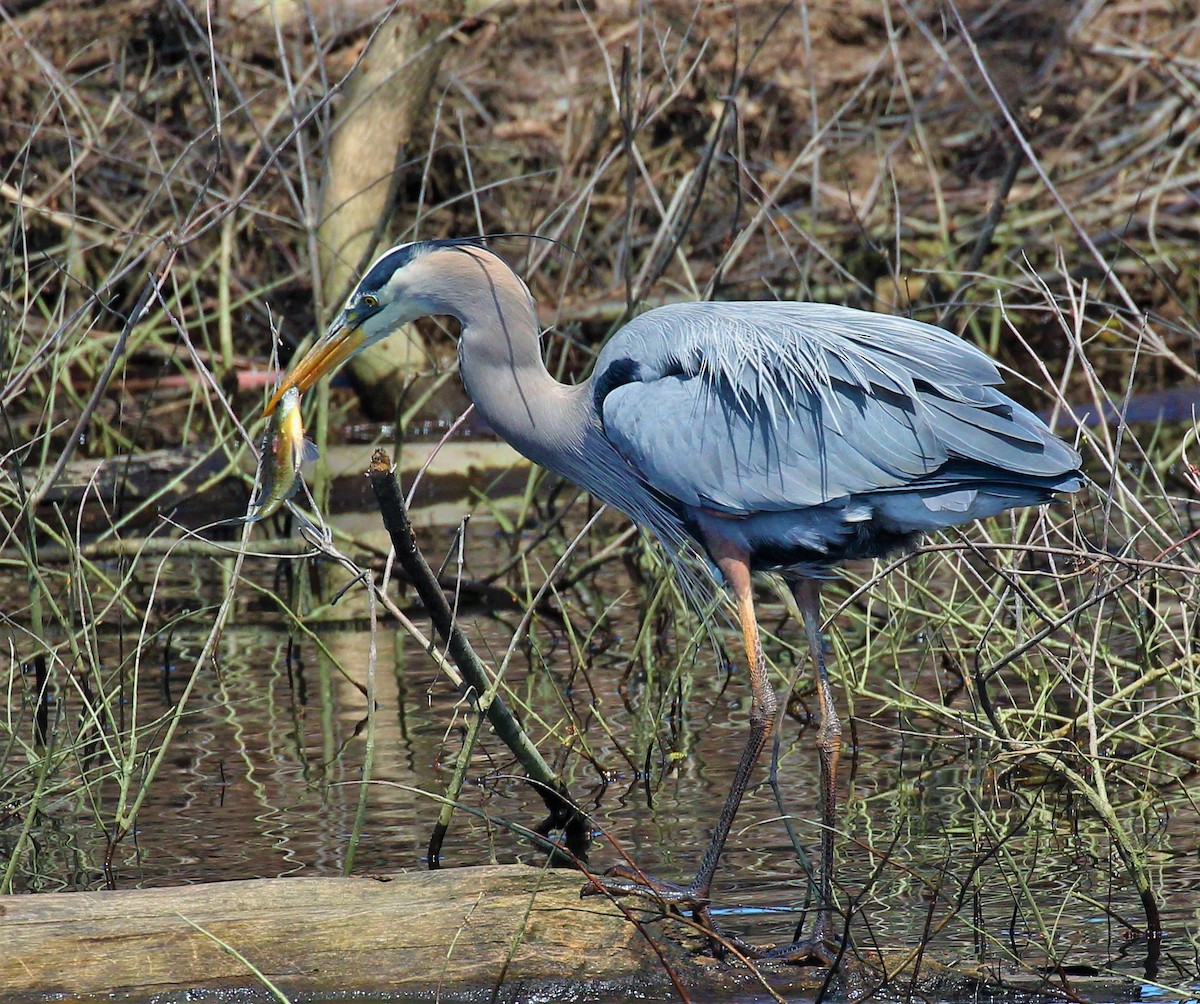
{"x":327,"y":355}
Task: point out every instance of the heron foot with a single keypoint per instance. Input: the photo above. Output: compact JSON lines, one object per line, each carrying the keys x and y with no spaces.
{"x":622,"y":880}
{"x":670,"y":897}
{"x":815,"y":950}
{"x":822,"y":948}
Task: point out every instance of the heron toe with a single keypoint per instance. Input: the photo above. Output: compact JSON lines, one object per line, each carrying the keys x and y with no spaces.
{"x":624,"y":880}
{"x":822,"y":948}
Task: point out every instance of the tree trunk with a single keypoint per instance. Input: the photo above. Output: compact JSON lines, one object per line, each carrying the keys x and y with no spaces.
{"x":370,"y":139}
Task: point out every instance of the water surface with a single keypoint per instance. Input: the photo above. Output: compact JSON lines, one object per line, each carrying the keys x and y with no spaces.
{"x":941,"y":844}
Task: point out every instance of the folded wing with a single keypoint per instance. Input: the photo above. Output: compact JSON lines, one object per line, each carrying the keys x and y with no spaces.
{"x":770,"y":407}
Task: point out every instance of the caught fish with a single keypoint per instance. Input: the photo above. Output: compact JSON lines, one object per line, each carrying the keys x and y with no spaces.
{"x":284,"y":449}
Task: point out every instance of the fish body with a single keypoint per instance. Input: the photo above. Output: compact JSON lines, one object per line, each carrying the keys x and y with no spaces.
{"x":284,"y":449}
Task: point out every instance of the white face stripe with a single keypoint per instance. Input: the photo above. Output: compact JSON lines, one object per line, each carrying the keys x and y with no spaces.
{"x":394,"y":286}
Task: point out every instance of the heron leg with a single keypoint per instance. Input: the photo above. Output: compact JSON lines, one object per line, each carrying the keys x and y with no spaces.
{"x":821,"y":943}
{"x":621,"y":880}
{"x":736,"y":569}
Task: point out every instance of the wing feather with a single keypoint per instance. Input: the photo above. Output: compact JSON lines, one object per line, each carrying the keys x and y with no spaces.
{"x":774,"y":406}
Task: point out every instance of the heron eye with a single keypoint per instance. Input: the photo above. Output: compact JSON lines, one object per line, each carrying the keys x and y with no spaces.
{"x":370,"y":301}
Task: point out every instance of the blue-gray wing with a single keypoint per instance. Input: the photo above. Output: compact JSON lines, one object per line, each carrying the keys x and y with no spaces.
{"x":754,"y":407}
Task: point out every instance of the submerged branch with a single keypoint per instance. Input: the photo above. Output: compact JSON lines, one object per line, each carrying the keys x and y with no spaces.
{"x":563,"y":812}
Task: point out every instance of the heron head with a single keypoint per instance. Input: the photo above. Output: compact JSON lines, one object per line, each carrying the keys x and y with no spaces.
{"x":388,"y":297}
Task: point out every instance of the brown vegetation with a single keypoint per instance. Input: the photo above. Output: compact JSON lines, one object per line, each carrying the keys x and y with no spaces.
{"x":851,"y":152}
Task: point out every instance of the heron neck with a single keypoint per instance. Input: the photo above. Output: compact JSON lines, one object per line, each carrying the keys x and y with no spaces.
{"x":543,"y":419}
{"x":501,"y":365}
{"x":553,"y":424}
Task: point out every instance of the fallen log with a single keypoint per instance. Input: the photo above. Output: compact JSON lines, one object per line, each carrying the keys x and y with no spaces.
{"x":459,"y":931}
{"x":197,"y":486}
{"x":507,"y":933}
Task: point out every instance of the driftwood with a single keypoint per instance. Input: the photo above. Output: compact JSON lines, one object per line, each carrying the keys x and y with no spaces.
{"x":94,"y":493}
{"x":516,"y":932}
{"x":461,"y":930}
{"x":197,"y":486}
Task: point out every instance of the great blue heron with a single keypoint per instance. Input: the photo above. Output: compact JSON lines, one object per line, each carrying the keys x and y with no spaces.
{"x":783,"y":437}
